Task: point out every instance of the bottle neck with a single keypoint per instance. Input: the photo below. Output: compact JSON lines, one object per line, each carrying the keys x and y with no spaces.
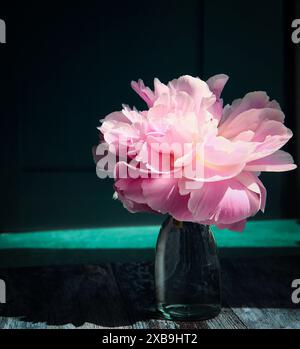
{"x":177,"y":224}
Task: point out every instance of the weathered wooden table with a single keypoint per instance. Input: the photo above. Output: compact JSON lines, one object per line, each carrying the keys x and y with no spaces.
{"x":256,"y":294}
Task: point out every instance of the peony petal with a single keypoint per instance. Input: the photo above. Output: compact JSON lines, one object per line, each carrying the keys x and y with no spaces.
{"x":253,"y":183}
{"x":130,"y":205}
{"x":132,"y":115}
{"x":196,"y":88}
{"x":237,"y":204}
{"x":183,"y":103}
{"x":252,"y":100}
{"x":220,"y":151}
{"x":270,"y":128}
{"x":224,"y":202}
{"x":160,"y":88}
{"x":219,"y":160}
{"x":271,"y":135}
{"x":162,"y":195}
{"x":132,"y":189}
{"x":204,"y":201}
{"x":144,"y":92}
{"x":249,"y":120}
{"x":245,"y":136}
{"x":277,"y":162}
{"x":216,"y":83}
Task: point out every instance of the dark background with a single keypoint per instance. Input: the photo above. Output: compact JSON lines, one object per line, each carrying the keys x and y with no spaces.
{"x":66,"y":65}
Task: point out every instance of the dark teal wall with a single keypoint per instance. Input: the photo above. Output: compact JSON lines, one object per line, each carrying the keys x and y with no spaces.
{"x":68,"y":66}
{"x":246,"y":40}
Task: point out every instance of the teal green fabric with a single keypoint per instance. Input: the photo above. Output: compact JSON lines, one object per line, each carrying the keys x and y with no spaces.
{"x":136,"y":243}
{"x":274,"y":233}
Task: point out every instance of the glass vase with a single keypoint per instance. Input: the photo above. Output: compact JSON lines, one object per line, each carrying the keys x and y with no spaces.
{"x":187,"y":272}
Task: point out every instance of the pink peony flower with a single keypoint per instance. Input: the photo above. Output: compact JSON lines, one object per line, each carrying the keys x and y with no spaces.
{"x":229,"y":147}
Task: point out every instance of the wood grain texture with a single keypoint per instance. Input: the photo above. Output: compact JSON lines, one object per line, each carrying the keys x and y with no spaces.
{"x":256,"y":294}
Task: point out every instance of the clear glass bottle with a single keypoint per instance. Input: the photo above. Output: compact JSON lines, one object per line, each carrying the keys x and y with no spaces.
{"x":187,"y":272}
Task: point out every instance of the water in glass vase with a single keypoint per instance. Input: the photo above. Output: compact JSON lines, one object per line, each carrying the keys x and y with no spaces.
{"x":187,"y":272}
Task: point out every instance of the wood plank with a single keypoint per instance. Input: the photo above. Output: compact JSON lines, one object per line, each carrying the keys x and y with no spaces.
{"x":259,"y":291}
{"x":192,"y":325}
{"x":268,"y":318}
{"x":227,"y":319}
{"x":17,"y":323}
